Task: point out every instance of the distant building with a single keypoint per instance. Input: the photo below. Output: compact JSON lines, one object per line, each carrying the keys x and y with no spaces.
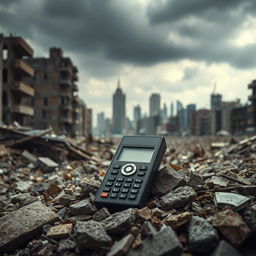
{"x":202,"y":122}
{"x":215,"y":114}
{"x":182,"y":116}
{"x":239,"y":120}
{"x":191,"y":109}
{"x":101,"y":123}
{"x":164,"y":113}
{"x":251,"y":125}
{"x":119,"y":113}
{"x":16,"y":94}
{"x":136,"y":116}
{"x":171,"y":110}
{"x":154,"y":104}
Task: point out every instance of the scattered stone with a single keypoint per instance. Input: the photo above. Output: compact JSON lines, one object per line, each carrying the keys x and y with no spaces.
{"x":249,"y":217}
{"x":66,"y":245}
{"x":52,"y":191}
{"x":164,"y":242}
{"x":194,"y":179}
{"x":23,"y":199}
{"x":231,"y":225}
{"x":247,"y":190}
{"x":90,"y":169}
{"x":144,"y":213}
{"x":60,"y":231}
{"x":101,"y":214}
{"x":202,"y":236}
{"x":225,"y":249}
{"x":175,"y":221}
{"x":119,"y":221}
{"x":121,"y":247}
{"x":137,"y":242}
{"x":233,"y":200}
{"x":24,"y":224}
{"x":178,"y":198}
{"x":46,"y":164}
{"x":29,"y":156}
{"x":91,"y":235}
{"x":23,"y":186}
{"x":148,"y":229}
{"x":66,"y":199}
{"x":82,"y":208}
{"x":41,"y":187}
{"x":218,"y":181}
{"x":168,"y":179}
{"x":89,"y":186}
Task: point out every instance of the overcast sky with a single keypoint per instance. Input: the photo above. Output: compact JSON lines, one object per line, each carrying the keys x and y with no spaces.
{"x":177,"y":48}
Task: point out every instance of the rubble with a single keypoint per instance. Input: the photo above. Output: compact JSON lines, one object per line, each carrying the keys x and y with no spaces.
{"x":46,"y":212}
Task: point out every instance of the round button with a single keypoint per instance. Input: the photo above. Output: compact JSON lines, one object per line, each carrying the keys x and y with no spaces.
{"x":128,"y":169}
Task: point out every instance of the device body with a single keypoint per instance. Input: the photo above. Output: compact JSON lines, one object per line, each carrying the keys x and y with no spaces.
{"x":128,"y":181}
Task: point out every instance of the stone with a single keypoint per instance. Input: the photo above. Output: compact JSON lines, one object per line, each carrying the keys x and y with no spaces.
{"x":247,"y":190}
{"x":23,"y":199}
{"x":66,"y":245}
{"x":101,"y":214}
{"x":218,"y":181}
{"x":178,"y":198}
{"x":249,"y":216}
{"x":89,"y":186}
{"x":23,"y":186}
{"x":53,"y":190}
{"x":167,"y":179}
{"x":82,"y":208}
{"x":90,"y":169}
{"x":91,"y":235}
{"x":66,"y":199}
{"x":164,"y":242}
{"x":119,"y":221}
{"x":231,"y":225}
{"x":29,"y":156}
{"x":194,"y":179}
{"x":60,"y":231}
{"x":148,"y":229}
{"x":18,"y":227}
{"x":46,"y":164}
{"x":175,"y":221}
{"x":202,"y":236}
{"x":144,"y":213}
{"x":225,"y":249}
{"x":41,"y":187}
{"x":233,"y":200}
{"x":121,"y":247}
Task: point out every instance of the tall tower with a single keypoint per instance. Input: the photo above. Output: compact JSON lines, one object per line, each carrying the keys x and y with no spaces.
{"x":154,"y":104}
{"x":118,"y":116}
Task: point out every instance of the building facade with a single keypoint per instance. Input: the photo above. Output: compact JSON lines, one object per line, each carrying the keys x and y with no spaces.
{"x":16,"y":92}
{"x":154,"y":104}
{"x":251,"y":124}
{"x":215,"y":114}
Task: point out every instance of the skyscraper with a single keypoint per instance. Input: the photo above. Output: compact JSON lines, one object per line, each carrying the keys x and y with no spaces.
{"x":118,"y":116}
{"x":136,"y":117}
{"x":101,"y":123}
{"x":215,"y":114}
{"x":154,"y":104}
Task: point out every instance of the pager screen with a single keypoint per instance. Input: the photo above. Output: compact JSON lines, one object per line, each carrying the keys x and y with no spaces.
{"x":136,"y":154}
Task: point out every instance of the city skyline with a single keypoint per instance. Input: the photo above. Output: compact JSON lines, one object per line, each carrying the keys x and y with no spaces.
{"x":154,"y":46}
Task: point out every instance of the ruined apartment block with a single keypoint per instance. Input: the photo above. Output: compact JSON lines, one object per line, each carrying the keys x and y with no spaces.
{"x":251,"y":122}
{"x":16,"y":94}
{"x":56,"y":94}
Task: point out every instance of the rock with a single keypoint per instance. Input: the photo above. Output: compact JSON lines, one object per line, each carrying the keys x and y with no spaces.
{"x":144,"y":213}
{"x":175,"y":221}
{"x":90,"y":169}
{"x":29,"y":156}
{"x":23,"y":199}
{"x":249,"y":217}
{"x":231,"y":225}
{"x":167,"y":179}
{"x":137,"y":242}
{"x":119,"y":221}
{"x":23,"y":224}
{"x":194,"y":179}
{"x":66,"y":199}
{"x":53,"y":190}
{"x":164,"y":242}
{"x":148,"y":229}
{"x":46,"y":164}
{"x":91,"y":235}
{"x":121,"y":247}
{"x":82,"y":208}
{"x":233,"y":200}
{"x":41,"y":187}
{"x":247,"y":190}
{"x":218,"y":181}
{"x":101,"y":214}
{"x":89,"y":186}
{"x":66,"y":245}
{"x":225,"y":249}
{"x":23,"y":186}
{"x":202,"y":236}
{"x":60,"y":231}
{"x":178,"y":198}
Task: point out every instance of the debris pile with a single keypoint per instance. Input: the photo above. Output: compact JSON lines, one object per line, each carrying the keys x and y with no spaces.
{"x":202,"y":203}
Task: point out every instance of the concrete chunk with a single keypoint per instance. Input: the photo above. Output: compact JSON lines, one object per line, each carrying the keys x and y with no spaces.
{"x":46,"y":164}
{"x":121,"y":247}
{"x":225,"y":249}
{"x":24,"y":224}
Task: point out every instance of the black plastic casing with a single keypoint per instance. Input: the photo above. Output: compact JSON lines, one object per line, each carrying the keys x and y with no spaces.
{"x":159,"y":145}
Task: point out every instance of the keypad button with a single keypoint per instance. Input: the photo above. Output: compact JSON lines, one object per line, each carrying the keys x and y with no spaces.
{"x":136,"y":185}
{"x":127,"y":185}
{"x":113,"y":195}
{"x":116,"y":166}
{"x":111,"y":178}
{"x":114,"y":172}
{"x":109,"y":184}
{"x":134,"y":191}
{"x":125,"y":190}
{"x":118,"y":184}
{"x":123,"y":196}
{"x":104,"y":194}
{"x":116,"y":190}
{"x":138,"y":180}
{"x":129,"y":180}
{"x":132,"y":197}
{"x":141,"y":173}
{"x":120,"y":179}
{"x":106,"y":189}
{"x":143,"y":168}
